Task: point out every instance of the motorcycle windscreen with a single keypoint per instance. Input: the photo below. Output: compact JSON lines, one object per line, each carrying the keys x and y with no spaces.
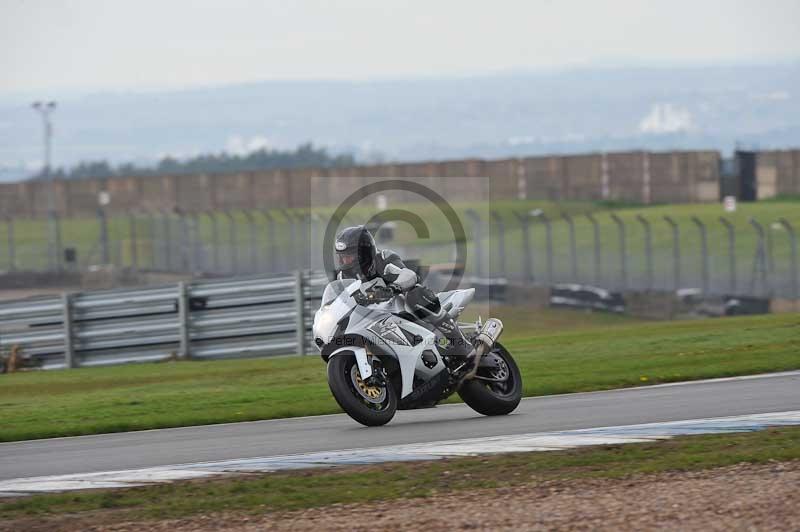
{"x":334,"y":289}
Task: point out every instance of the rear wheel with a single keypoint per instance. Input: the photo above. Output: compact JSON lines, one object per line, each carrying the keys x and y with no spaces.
{"x":371,"y":404}
{"x":496,"y":389}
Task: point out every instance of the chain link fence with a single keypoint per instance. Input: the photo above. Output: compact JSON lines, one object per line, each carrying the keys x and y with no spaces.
{"x":622,"y":250}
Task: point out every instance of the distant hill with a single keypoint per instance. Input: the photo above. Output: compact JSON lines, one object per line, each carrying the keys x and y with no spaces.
{"x":490,"y":116}
{"x":304,"y":156}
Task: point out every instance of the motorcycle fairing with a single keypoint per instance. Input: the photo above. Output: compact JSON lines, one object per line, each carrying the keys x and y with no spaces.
{"x":427,"y":392}
{"x":457,"y":299}
{"x":365,"y":321}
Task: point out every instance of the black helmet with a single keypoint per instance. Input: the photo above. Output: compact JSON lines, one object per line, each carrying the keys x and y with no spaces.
{"x":355,"y":251}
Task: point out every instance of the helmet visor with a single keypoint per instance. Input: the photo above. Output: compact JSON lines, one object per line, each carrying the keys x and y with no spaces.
{"x":345,"y":260}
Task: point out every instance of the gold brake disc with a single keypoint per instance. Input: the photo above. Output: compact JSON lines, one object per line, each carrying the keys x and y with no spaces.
{"x":372,"y":392}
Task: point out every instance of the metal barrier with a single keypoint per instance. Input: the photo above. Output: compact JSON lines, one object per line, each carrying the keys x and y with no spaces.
{"x":202,"y":320}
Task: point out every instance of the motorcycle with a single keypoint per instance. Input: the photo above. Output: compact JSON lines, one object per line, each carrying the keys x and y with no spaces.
{"x":381,"y":358}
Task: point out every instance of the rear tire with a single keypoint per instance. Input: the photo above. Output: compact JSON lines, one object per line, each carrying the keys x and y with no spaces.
{"x":491,"y":399}
{"x":344,"y":390}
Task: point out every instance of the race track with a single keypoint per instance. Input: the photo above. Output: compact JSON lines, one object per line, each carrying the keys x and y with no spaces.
{"x":133,"y":450}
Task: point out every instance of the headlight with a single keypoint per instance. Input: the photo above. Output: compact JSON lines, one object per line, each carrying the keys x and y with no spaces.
{"x":324,"y":326}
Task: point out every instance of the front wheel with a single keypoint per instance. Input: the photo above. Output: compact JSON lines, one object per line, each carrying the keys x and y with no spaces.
{"x":370,"y":404}
{"x":496,"y":389}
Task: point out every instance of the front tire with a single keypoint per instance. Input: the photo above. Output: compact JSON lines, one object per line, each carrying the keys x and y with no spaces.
{"x":360,"y":401}
{"x":494,"y":398}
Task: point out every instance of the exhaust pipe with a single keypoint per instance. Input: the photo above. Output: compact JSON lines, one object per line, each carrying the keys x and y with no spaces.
{"x":486,"y":338}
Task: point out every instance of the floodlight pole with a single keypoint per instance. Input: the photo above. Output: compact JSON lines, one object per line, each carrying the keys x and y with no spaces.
{"x":45,"y":109}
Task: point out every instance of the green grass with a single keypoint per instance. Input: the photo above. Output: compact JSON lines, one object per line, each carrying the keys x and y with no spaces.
{"x":261,"y":493}
{"x":783,"y":197}
{"x":607,"y":352}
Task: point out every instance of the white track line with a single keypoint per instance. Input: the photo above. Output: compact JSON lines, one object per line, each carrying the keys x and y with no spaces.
{"x":542,"y":441}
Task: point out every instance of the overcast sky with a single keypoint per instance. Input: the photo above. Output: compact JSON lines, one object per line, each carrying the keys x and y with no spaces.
{"x":98,"y":44}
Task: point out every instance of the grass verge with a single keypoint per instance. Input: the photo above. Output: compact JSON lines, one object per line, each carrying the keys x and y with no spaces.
{"x":305,"y":489}
{"x":604,"y":352}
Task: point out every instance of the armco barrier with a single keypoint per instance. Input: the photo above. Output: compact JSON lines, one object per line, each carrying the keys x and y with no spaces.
{"x":230,"y":318}
{"x":586,"y":297}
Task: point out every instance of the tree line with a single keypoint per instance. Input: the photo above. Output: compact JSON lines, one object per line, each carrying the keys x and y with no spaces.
{"x":304,"y":156}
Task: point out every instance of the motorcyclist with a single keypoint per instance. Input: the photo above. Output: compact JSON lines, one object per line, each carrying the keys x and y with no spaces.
{"x":357,"y":257}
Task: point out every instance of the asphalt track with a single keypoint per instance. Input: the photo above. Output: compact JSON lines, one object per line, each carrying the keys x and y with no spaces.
{"x":132,"y":450}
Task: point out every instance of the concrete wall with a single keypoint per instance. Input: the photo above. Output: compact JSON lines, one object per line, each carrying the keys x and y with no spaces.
{"x":778,"y":173}
{"x":642,"y":177}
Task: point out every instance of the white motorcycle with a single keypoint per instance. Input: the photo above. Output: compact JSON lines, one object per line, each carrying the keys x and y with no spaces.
{"x":381,"y":357}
